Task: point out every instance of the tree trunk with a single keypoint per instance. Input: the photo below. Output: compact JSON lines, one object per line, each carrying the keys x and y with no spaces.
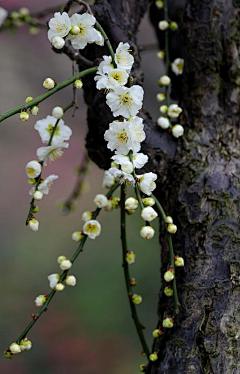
{"x":199,"y":175}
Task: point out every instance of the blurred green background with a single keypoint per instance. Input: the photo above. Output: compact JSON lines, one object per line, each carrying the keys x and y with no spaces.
{"x":88,"y":329}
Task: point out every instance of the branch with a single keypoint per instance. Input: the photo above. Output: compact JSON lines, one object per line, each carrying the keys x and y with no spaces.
{"x":49,"y":93}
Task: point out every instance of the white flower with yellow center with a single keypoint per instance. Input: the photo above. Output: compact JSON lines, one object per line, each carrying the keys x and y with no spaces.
{"x":124,"y":101}
{"x":87,"y":32}
{"x":108,"y":180}
{"x":92,"y":228}
{"x":174,"y":110}
{"x":33,"y":169}
{"x":115,"y":78}
{"x":3,"y":15}
{"x":139,"y":159}
{"x":60,"y":25}
{"x":177,"y":66}
{"x":106,"y":65}
{"x":122,"y":176}
{"x":52,"y":152}
{"x":45,"y":186}
{"x":147,"y":182}
{"x":45,"y":128}
{"x":123,"y":58}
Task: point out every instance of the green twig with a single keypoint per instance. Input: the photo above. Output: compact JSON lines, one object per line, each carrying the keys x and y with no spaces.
{"x":137,"y":323}
{"x":64,"y":274}
{"x":108,"y":44}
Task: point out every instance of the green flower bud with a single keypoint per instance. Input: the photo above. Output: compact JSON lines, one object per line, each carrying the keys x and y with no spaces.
{"x":168,"y":323}
{"x":133,"y":282}
{"x":35,"y":209}
{"x":169,"y":219}
{"x":160,"y":55}
{"x":115,"y":202}
{"x":173,"y":26}
{"x":32,"y":181}
{"x":163,"y":109}
{"x":159,"y":4}
{"x":75,"y":30}
{"x":148,"y":201}
{"x":8,"y":354}
{"x":142,"y":368}
{"x":28,"y":99}
{"x":172,"y":229}
{"x":78,"y":83}
{"x":169,"y":275}
{"x":179,"y":261}
{"x":34,"y":110}
{"x":24,"y":116}
{"x":130,"y":257}
{"x":168,"y":291}
{"x":160,"y":97}
{"x":136,"y":299}
{"x":153,"y":356}
{"x":156,"y":333}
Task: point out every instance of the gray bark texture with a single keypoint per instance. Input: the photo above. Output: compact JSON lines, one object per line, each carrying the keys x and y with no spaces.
{"x":199,"y":174}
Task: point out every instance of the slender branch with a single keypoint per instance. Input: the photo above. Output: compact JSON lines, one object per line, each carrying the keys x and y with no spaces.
{"x":171,"y":254}
{"x":38,"y":180}
{"x":49,"y":93}
{"x":108,"y":44}
{"x":167,"y":51}
{"x":137,"y":190}
{"x":64,"y":274}
{"x":137,"y":323}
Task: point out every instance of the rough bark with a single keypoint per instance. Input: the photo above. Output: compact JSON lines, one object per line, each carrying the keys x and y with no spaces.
{"x":199,"y":175}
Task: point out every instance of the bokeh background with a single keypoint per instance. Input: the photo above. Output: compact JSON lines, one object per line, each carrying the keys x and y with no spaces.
{"x":88,"y":328}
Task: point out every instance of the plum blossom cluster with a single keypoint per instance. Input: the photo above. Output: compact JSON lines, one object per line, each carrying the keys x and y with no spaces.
{"x":78,"y":29}
{"x":54,"y":134}
{"x":169,"y":112}
{"x":15,"y":348}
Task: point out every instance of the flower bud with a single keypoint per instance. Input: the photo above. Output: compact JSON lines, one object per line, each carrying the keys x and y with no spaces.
{"x":7,"y":354}
{"x":156,"y":333}
{"x":136,"y":299}
{"x":25,"y":344}
{"x":14,"y":15}
{"x":164,"y":81}
{"x":163,"y":109}
{"x":168,"y":291}
{"x":33,"y":224}
{"x":160,"y":55}
{"x":86,"y":216}
{"x":75,"y":30}
{"x":142,"y":368}
{"x":40,"y":300}
{"x":65,"y":265}
{"x":38,"y":195}
{"x":173,"y":26}
{"x":15,"y":348}
{"x":32,"y":181}
{"x":177,"y":131}
{"x":168,"y":323}
{"x":115,"y":202}
{"x":34,"y":110}
{"x":148,"y":214}
{"x":77,"y":236}
{"x":33,"y":30}
{"x":163,"y":122}
{"x":172,"y":229}
{"x":33,"y":169}
{"x":24,"y":12}
{"x":130,"y":257}
{"x":49,"y":83}
{"x":163,"y":25}
{"x":179,"y":261}
{"x":53,"y":279}
{"x":24,"y":116}
{"x":160,"y":97}
{"x":174,"y":110}
{"x":127,"y":167}
{"x":153,"y":356}
{"x":58,"y":42}
{"x":100,"y":200}
{"x":109,"y":207}
{"x":61,"y":259}
{"x":78,"y":83}
{"x":28,"y":99}
{"x":148,"y":201}
{"x":71,"y":280}
{"x":169,"y":219}
{"x":57,"y":112}
{"x":59,"y":287}
{"x":133,"y":282}
{"x":147,"y":232}
{"x":169,"y":275}
{"x":159,"y":4}
{"x":35,"y":209}
{"x":131,"y":203}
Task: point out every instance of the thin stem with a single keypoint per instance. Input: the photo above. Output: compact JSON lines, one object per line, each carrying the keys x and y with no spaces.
{"x":49,"y":93}
{"x":137,"y":323}
{"x":38,"y":180}
{"x":171,"y":254}
{"x":137,"y":190}
{"x":167,"y":50}
{"x":108,"y":44}
{"x":63,"y":275}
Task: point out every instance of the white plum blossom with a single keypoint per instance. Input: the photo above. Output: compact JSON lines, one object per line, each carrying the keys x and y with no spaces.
{"x":40,"y":300}
{"x":86,"y":216}
{"x":148,"y":214}
{"x":45,"y":128}
{"x":127,"y":167}
{"x":33,"y":224}
{"x":25,"y":344}
{"x":147,"y":182}
{"x":15,"y":348}
{"x":92,"y":228}
{"x":147,"y":232}
{"x":106,"y":65}
{"x":139,"y":159}
{"x":115,"y":78}
{"x":122,"y":176}
{"x":71,"y":280}
{"x":131,"y":203}
{"x":87,"y":34}
{"x":99,"y":39}
{"x":174,"y":110}
{"x":177,"y":131}
{"x":177,"y":66}
{"x":52,"y":152}
{"x":125,"y":136}
{"x":108,"y":180}
{"x":123,"y":58}
{"x":58,"y":42}
{"x":124,"y":101}
{"x":3,"y":15}
{"x":163,"y":122}
{"x":33,"y":169}
{"x":53,"y":279}
{"x":45,"y":186}
{"x":101,"y":201}
{"x":59,"y":25}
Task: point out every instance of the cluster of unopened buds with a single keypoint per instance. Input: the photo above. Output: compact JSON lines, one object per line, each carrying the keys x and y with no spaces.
{"x":14,"y":348}
{"x":17,"y":19}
